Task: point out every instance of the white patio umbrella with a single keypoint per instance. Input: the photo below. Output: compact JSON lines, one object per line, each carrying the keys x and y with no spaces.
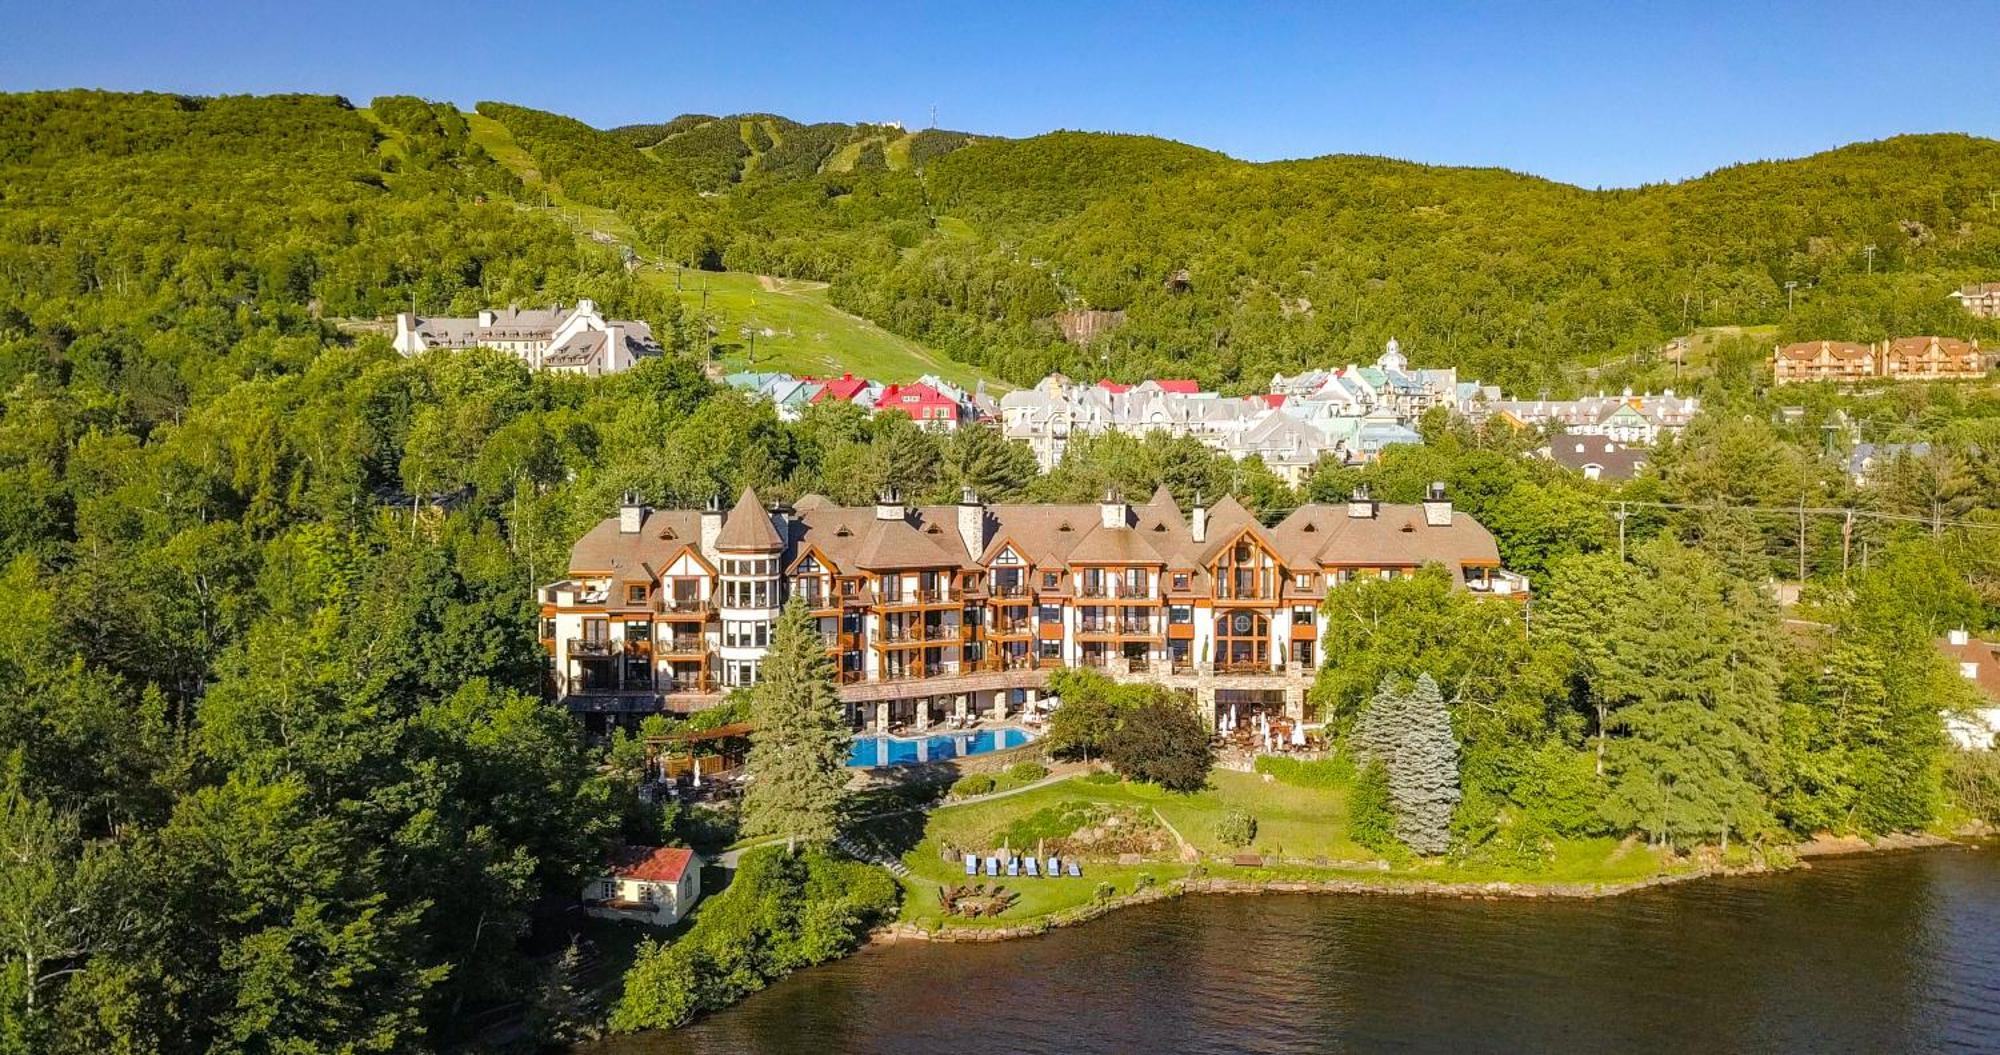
{"x":1298,"y":734}
{"x":697,"y":772}
{"x":1232,"y":717}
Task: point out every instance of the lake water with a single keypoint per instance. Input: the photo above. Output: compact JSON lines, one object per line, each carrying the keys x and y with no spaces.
{"x":874,"y":751}
{"x":1895,"y":953}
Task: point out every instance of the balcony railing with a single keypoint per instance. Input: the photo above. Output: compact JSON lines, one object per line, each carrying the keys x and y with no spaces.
{"x":689,"y":683}
{"x":683,"y":646}
{"x":1010,"y":590}
{"x":589,"y":646}
{"x":682,"y":606}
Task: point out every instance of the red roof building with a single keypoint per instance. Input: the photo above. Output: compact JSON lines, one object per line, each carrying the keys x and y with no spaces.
{"x":652,"y":864}
{"x":925,"y":405}
{"x":1180,"y":386}
{"x":1114,"y":387}
{"x":844,"y":388}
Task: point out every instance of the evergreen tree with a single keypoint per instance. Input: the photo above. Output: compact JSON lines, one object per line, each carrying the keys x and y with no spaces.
{"x":1423,"y":770}
{"x":1694,"y":684}
{"x":798,"y":751}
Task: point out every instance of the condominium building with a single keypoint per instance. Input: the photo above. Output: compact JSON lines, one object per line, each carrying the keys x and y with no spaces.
{"x":575,"y":340}
{"x":1902,"y":359}
{"x":1982,"y":299}
{"x":929,"y":611}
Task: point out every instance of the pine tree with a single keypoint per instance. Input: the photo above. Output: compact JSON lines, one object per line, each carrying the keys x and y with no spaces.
{"x":798,"y":751}
{"x":1374,"y":735}
{"x":1423,"y":770}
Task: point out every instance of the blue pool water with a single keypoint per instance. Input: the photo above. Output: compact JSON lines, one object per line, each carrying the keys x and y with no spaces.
{"x":872,"y":751}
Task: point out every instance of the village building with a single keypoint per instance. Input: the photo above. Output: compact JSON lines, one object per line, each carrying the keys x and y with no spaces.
{"x":930,"y":612}
{"x":1641,"y":420}
{"x":575,"y":340}
{"x":1979,"y":663}
{"x":1846,"y":361}
{"x":923,"y":404}
{"x":1982,"y":300}
{"x":1597,"y":458}
{"x":656,"y":885}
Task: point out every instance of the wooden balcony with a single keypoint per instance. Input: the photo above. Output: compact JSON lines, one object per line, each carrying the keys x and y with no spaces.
{"x":683,"y":607}
{"x":693,"y":647}
{"x":585,"y":646}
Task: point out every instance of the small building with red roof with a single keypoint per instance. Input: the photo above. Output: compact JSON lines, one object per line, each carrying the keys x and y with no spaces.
{"x":1180,"y":386}
{"x":925,"y":405}
{"x":646,"y":884}
{"x":1114,"y":387}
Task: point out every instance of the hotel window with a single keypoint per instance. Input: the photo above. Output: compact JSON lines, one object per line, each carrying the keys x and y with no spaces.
{"x":596,"y":630}
{"x":1181,"y":580}
{"x":892,"y":589}
{"x":1302,"y":617}
{"x":549,"y":629}
{"x":1050,"y":579}
{"x":1049,"y":650}
{"x":1135,"y":582}
{"x":1305,"y":580}
{"x":1180,"y":615}
{"x":1051,"y":613}
{"x":635,"y":593}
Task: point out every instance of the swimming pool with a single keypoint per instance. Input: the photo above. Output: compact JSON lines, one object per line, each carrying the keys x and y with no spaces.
{"x":870,"y":752}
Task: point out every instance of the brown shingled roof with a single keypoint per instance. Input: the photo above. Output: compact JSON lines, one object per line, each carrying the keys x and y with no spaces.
{"x":748,"y":528}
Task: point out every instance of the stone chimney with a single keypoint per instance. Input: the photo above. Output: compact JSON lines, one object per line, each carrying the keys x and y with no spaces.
{"x":971,"y":523}
{"x":486,"y":317}
{"x":631,"y":514}
{"x":1199,"y":528}
{"x":1437,"y":508}
{"x":711,"y":527}
{"x":889,"y":506}
{"x":1359,"y":505}
{"x":1113,"y":512}
{"x":782,"y":516}
{"x":1959,"y":637}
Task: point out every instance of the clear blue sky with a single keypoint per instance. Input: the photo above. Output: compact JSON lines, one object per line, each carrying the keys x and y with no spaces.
{"x":1600,"y":94}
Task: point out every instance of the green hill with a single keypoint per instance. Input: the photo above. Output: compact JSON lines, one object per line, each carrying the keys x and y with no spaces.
{"x":1229,"y":271}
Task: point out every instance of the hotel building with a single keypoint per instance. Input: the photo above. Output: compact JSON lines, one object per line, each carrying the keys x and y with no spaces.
{"x":933,"y":611}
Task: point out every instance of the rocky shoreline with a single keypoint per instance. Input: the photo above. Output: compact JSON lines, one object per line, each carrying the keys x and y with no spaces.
{"x":1823,"y":846}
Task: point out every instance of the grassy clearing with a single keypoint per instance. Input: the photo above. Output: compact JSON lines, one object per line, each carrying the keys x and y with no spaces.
{"x":798,"y":330}
{"x":1306,"y":827}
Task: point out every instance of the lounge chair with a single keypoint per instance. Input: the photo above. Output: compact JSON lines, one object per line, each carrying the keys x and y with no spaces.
{"x":1034,"y":868}
{"x":993,"y":866}
{"x":1013,"y":866}
{"x":1074,"y":871}
{"x":971,"y":865}
{"x":1055,"y":866}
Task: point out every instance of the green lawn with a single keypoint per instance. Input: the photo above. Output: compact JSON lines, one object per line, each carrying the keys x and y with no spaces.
{"x":800,"y":332}
{"x":1305,"y":826}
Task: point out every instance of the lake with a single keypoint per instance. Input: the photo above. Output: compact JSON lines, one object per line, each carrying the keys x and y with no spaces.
{"x":1888,"y":953}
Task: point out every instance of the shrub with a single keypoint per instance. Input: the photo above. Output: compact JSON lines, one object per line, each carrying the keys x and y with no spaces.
{"x":1370,"y":819}
{"x":1161,"y":741}
{"x":1325,"y":773}
{"x":1237,"y":827}
{"x":1972,"y":779}
{"x":971,"y":785}
{"x":1099,"y":779}
{"x":1026,"y":772}
{"x":1105,"y":891}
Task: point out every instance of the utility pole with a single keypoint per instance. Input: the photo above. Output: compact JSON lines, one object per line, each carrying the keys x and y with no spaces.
{"x":1802,"y":541}
{"x":1870,"y":250}
{"x":1789,"y":287}
{"x":1846,"y":544}
{"x":1621,"y":514}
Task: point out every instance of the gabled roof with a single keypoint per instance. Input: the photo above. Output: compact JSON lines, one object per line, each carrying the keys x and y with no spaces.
{"x":747,"y":528}
{"x":653,"y":864}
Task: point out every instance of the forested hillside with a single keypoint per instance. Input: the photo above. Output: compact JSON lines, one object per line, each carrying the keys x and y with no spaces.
{"x":275,"y":769}
{"x":1229,"y":271}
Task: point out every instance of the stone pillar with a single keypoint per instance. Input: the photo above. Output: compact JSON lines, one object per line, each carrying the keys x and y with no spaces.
{"x":1295,"y":701}
{"x":923,"y":714}
{"x":999,"y":705}
{"x":1204,"y":698}
{"x":882,"y":717}
{"x":960,"y":704}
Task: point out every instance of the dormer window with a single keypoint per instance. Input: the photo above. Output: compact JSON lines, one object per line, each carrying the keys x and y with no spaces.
{"x":635,"y":593}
